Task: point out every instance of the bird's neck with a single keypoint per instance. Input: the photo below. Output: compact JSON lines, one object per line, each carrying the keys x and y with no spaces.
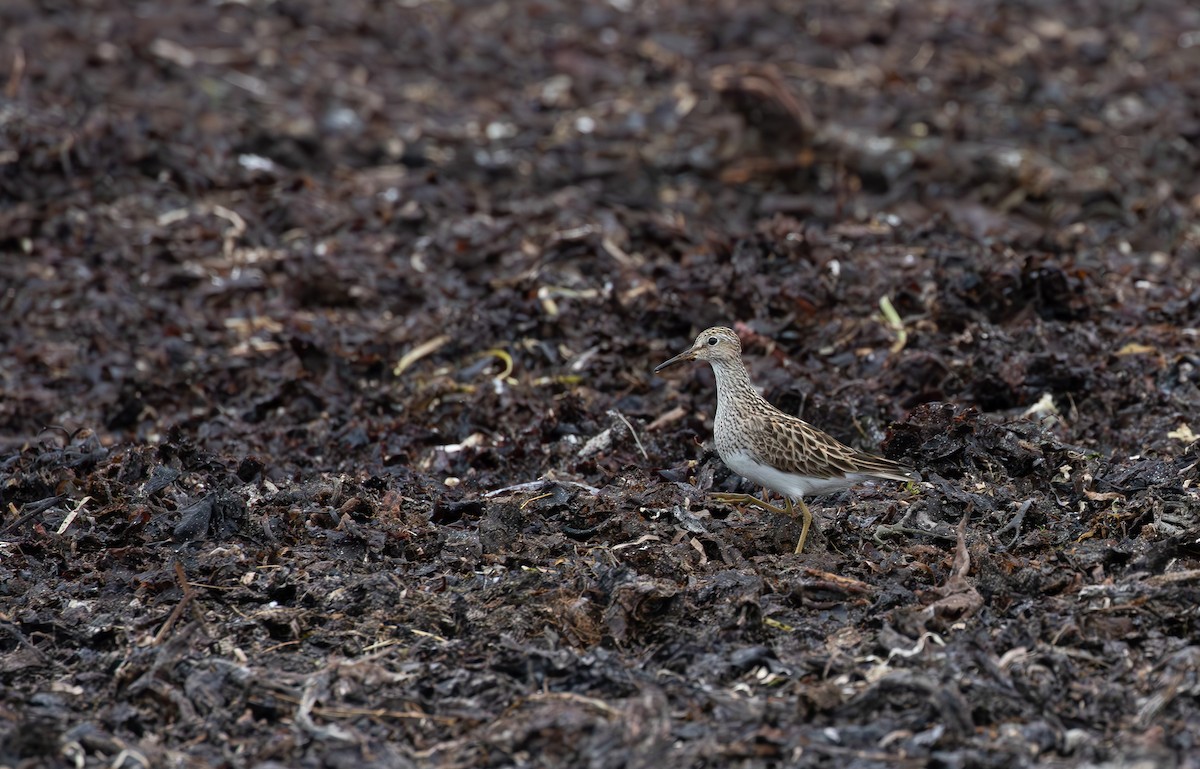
{"x":733,"y":384}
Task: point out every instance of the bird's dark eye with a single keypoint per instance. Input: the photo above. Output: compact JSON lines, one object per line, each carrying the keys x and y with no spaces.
{"x":712,"y":340}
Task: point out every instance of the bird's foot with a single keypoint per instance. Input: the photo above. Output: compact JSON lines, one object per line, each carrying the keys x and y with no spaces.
{"x":751,"y":501}
{"x":806,"y":518}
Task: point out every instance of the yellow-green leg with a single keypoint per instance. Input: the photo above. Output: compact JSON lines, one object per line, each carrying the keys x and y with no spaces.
{"x":749,"y":499}
{"x":805,"y":525}
{"x":753,"y":501}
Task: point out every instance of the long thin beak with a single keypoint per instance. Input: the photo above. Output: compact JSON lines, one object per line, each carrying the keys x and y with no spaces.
{"x":682,"y":357}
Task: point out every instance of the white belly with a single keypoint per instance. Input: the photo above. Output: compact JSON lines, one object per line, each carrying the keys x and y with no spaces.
{"x":785,"y":483}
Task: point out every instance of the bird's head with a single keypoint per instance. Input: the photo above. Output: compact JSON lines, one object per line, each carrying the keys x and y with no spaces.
{"x":713,"y":344}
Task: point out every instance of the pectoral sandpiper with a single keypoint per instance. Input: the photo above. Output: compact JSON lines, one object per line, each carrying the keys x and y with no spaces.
{"x":773,"y":449}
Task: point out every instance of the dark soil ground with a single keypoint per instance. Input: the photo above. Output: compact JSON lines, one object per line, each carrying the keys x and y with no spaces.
{"x":329,"y":435}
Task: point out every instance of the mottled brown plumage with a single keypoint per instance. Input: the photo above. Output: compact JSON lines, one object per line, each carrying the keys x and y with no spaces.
{"x":771,"y":448}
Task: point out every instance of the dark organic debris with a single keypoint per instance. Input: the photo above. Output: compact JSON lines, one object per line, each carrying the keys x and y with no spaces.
{"x":328,"y":432}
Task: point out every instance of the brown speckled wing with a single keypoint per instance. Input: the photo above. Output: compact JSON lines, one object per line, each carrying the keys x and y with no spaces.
{"x":794,"y":446}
